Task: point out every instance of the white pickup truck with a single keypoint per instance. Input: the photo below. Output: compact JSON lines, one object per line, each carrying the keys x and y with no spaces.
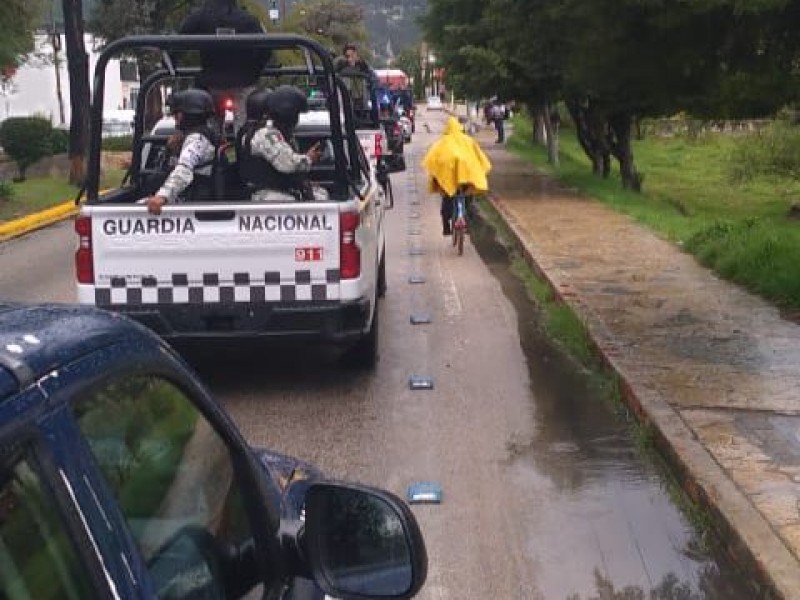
{"x":233,"y":267}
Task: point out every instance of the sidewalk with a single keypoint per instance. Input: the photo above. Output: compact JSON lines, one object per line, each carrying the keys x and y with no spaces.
{"x":713,"y":369}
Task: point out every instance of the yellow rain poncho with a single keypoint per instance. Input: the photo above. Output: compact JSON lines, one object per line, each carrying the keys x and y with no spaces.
{"x":456,"y":159}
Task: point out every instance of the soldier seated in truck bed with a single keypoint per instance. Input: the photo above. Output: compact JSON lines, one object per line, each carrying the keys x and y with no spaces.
{"x":269,"y":165}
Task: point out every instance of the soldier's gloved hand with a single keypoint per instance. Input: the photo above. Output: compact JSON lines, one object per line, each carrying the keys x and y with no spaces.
{"x":315,"y":152}
{"x":154,"y":204}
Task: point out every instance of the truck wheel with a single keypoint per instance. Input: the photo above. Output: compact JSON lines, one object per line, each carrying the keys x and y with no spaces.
{"x":382,"y":286}
{"x":364,"y":354}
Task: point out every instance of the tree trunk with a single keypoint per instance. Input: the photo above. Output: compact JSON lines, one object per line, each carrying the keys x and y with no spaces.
{"x":551,"y":133}
{"x":55,"y":38}
{"x":597,"y":123}
{"x":577,"y":113}
{"x":78,"y":62}
{"x":539,"y":131}
{"x":591,"y":127}
{"x":621,"y":125}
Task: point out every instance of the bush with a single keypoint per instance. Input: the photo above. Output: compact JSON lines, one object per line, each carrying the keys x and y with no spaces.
{"x":774,"y":151}
{"x":6,"y":190}
{"x":26,"y":140}
{"x":118,"y":143}
{"x":59,"y":141}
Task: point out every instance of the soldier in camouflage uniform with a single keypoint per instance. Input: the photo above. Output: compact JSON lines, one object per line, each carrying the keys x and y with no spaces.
{"x":268,"y":161}
{"x":192,"y":176}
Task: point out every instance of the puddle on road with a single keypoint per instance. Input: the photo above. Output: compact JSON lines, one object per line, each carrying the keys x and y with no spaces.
{"x":603,"y":525}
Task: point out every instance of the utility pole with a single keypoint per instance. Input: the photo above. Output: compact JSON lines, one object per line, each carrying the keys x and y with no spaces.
{"x":274,"y":13}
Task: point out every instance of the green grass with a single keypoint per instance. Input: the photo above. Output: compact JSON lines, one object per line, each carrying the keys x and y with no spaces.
{"x":38,"y":193}
{"x":739,"y":229}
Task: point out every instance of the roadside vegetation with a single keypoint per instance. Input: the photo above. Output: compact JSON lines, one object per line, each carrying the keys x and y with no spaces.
{"x":18,"y":199}
{"x":728,"y":200}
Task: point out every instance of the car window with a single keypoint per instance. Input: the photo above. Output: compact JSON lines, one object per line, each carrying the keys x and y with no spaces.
{"x":37,"y":559}
{"x":175,"y":483}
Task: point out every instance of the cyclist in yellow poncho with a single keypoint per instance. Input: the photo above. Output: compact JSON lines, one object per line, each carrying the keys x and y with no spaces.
{"x":455,"y":162}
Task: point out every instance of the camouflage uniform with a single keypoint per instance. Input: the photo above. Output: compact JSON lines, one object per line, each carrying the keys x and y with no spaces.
{"x":197,"y":156}
{"x":269,"y":144}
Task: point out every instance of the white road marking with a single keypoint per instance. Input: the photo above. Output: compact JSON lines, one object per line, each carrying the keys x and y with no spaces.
{"x":451,"y":298}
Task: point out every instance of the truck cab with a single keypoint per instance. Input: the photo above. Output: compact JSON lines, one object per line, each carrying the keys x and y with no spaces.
{"x":231,"y":266}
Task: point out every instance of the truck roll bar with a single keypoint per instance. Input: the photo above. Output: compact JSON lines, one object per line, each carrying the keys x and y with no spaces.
{"x":168,"y":44}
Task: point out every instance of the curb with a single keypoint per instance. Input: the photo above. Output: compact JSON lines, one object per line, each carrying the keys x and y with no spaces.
{"x":747,"y":537}
{"x":28,"y":223}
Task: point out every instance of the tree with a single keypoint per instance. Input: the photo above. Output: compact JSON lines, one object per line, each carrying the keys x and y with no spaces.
{"x":332,"y":23}
{"x":78,"y":61}
{"x":457,"y":35}
{"x":18,"y":20}
{"x":616,"y":61}
{"x":409,"y":61}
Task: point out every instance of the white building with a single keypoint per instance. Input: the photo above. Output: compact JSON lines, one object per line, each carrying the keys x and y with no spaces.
{"x":32,"y":90}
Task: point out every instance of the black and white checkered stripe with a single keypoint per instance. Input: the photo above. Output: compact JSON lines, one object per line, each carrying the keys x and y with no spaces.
{"x":245,"y":289}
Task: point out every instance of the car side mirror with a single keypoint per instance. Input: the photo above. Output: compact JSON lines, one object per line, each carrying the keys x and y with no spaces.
{"x":362,"y":542}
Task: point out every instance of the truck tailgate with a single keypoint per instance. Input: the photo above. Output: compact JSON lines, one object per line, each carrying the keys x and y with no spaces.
{"x":216,"y":254}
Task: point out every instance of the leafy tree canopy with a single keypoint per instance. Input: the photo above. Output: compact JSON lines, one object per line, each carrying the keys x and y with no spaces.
{"x":18,"y":20}
{"x":622,"y":59}
{"x":330,"y":22}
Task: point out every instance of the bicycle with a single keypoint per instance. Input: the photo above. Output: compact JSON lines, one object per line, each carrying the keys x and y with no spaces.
{"x":459,"y":221}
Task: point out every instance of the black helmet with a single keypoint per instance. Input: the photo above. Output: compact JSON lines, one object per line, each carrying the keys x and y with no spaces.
{"x":256,"y":104}
{"x":192,"y":102}
{"x":286,"y":103}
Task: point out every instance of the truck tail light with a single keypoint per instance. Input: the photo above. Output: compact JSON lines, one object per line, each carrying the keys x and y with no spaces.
{"x":349,"y":252}
{"x":378,"y":145}
{"x":84,"y":261}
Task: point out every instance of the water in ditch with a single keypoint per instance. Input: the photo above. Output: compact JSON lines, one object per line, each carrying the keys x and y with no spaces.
{"x":605,"y":525}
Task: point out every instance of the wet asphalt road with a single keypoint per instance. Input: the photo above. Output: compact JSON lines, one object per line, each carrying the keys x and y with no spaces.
{"x":545,"y":495}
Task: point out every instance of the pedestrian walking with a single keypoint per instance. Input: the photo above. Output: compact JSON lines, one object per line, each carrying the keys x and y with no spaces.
{"x":499,"y":118}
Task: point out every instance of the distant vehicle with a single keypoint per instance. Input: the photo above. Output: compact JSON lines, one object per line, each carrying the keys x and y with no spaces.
{"x":406,"y":124}
{"x":435,"y":103}
{"x":118,"y":123}
{"x":401,"y":102}
{"x":122,"y":477}
{"x":394,"y":79}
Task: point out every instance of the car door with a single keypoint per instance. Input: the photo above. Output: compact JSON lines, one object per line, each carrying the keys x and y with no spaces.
{"x":177,"y":486}
{"x":44,"y":552}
